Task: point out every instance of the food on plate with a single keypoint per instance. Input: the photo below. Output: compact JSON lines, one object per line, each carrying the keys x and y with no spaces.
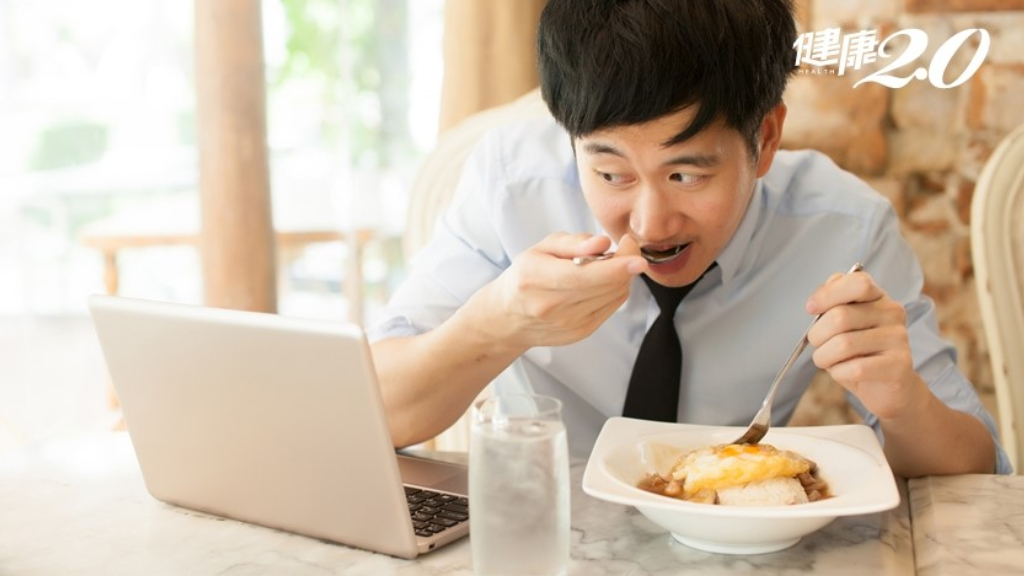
{"x":741,"y":475}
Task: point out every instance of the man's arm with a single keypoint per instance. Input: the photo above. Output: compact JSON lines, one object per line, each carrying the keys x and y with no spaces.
{"x":862,"y":341}
{"x":427,"y":381}
{"x":935,"y":439}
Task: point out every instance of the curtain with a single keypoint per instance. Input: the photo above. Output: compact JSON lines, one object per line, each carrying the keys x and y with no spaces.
{"x":490,"y":56}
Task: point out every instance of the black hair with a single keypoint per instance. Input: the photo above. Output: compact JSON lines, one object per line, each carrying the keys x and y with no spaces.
{"x":610,"y":63}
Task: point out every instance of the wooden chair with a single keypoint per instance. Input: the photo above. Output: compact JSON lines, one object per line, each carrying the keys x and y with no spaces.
{"x":997,"y":245}
{"x":432,"y":192}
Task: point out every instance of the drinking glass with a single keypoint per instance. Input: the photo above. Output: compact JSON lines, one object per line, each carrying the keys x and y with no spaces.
{"x":519,"y":487}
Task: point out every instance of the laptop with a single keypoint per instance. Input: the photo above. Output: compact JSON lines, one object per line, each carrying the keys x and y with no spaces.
{"x":274,"y":421}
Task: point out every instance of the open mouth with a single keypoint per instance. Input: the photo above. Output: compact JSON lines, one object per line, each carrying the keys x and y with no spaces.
{"x":660,"y":256}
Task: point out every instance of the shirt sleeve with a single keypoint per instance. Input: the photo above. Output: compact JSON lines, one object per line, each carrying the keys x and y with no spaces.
{"x":465,"y":252}
{"x":893,"y":265}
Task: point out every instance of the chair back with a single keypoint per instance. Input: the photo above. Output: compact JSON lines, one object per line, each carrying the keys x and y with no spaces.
{"x":435,"y":181}
{"x":997,"y":245}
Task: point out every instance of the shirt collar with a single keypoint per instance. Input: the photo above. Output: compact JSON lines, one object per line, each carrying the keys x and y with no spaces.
{"x":731,"y":258}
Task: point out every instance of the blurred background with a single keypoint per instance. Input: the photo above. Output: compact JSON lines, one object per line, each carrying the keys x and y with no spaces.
{"x":101,"y":148}
{"x":99,"y":137}
{"x":105,"y":123}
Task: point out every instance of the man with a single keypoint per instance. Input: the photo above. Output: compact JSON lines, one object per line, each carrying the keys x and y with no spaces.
{"x":663,"y":146}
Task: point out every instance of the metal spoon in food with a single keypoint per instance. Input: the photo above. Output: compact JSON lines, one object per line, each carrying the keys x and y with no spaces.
{"x":759,"y":426}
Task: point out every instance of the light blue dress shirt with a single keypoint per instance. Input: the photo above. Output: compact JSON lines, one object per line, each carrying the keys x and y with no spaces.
{"x":807,"y":220}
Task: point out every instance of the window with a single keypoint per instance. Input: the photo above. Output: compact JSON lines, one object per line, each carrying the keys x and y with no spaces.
{"x":99,"y":137}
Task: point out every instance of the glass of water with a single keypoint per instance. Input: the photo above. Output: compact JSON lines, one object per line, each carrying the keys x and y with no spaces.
{"x":519,"y":487}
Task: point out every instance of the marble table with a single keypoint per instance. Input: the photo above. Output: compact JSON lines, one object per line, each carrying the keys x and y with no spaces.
{"x":80,"y":507}
{"x":968,"y":525}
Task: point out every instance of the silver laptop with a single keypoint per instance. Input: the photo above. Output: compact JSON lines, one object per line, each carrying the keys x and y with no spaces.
{"x":275,"y":421}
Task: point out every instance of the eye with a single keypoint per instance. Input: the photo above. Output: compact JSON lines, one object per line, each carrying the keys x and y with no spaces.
{"x":687,"y":179}
{"x":611,"y":178}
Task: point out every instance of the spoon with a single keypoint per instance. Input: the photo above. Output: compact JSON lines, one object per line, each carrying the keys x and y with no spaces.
{"x":581,"y":260}
{"x":759,"y":426}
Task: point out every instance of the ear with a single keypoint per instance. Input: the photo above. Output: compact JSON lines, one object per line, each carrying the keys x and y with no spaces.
{"x":770,"y":137}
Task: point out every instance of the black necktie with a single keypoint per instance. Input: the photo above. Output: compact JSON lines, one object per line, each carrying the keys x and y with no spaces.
{"x":654,"y":386}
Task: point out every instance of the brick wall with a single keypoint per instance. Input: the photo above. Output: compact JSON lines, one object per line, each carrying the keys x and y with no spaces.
{"x":921,"y":146}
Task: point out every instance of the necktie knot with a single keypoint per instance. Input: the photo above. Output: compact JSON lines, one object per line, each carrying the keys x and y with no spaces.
{"x":668,"y":299}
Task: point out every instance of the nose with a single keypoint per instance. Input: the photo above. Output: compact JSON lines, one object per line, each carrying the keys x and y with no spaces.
{"x":654,"y":219}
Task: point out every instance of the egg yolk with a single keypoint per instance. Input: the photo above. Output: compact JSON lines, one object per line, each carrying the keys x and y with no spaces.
{"x":724,"y":466}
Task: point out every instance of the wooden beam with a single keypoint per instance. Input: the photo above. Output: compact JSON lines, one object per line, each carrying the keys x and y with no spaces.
{"x":237,"y":237}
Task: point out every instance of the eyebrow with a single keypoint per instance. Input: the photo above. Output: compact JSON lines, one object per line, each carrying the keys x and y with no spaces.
{"x":698,"y":160}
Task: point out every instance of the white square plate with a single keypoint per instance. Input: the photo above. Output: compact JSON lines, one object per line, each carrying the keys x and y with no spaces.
{"x":849,"y":458}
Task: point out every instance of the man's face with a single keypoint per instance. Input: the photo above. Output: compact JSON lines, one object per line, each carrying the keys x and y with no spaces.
{"x":683,"y":201}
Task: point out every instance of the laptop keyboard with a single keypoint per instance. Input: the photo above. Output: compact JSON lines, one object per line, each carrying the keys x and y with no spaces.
{"x":434,"y":512}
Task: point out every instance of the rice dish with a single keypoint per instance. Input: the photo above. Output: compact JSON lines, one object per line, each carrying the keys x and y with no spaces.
{"x":773,"y":492}
{"x":741,"y":475}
